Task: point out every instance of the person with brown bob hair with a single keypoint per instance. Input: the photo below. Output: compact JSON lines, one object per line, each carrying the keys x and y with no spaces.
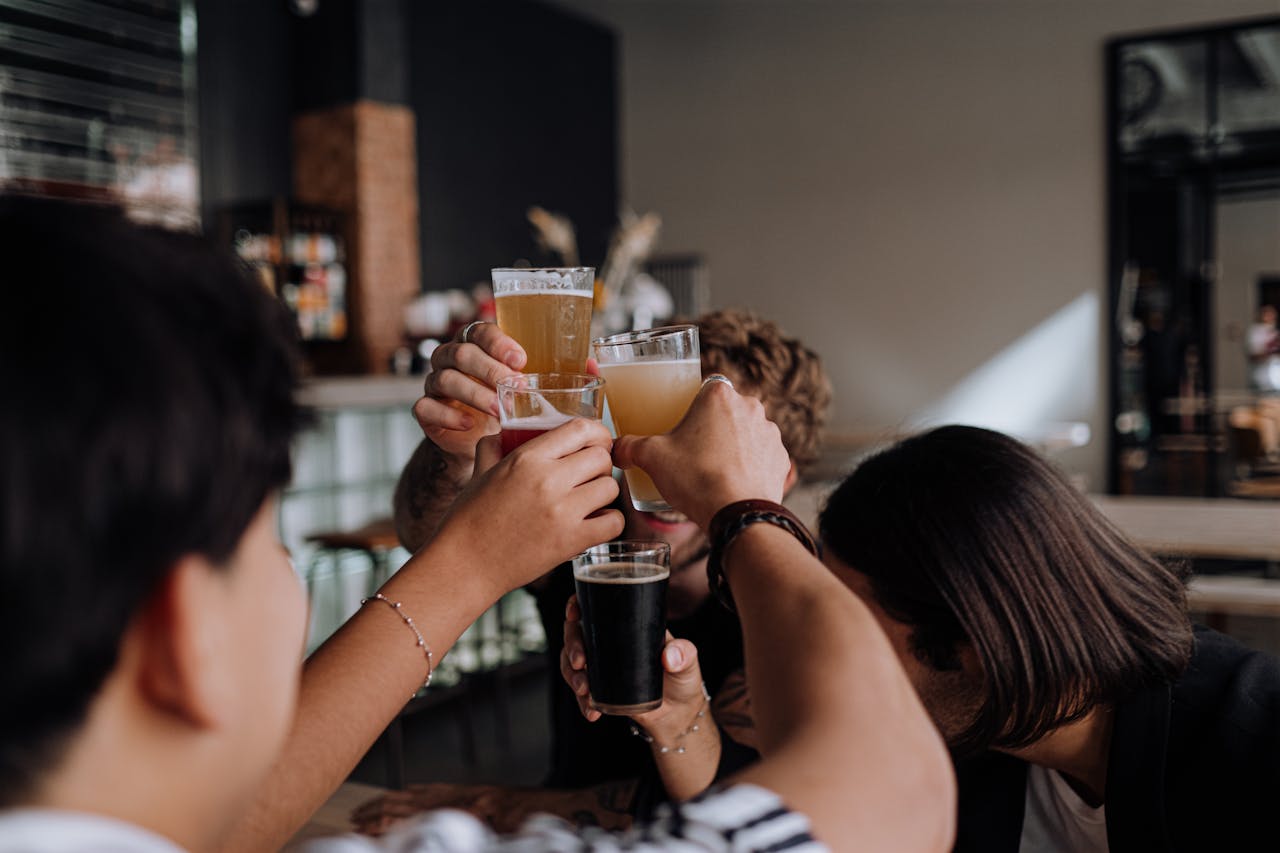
{"x":1055,"y":656}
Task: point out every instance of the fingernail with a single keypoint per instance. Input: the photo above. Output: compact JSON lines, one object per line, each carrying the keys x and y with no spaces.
{"x":514,"y":359}
{"x":577,"y":660}
{"x":579,"y":684}
{"x":673,"y":656}
{"x":467,"y":422}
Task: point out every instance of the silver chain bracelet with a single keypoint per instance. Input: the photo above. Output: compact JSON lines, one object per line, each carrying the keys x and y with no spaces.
{"x":678,"y":748}
{"x":408,"y":620}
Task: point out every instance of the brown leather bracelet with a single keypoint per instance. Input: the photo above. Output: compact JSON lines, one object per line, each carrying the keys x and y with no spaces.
{"x":737,"y":517}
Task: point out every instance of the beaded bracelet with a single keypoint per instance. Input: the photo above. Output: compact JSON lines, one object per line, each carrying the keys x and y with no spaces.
{"x":695,"y":726}
{"x":736,"y":517}
{"x":408,"y":620}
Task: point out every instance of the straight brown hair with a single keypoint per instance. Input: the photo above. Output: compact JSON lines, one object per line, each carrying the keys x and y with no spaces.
{"x":971,"y":537}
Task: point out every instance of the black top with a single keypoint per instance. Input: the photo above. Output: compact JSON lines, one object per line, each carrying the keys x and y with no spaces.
{"x":584,"y":753}
{"x":1193,"y":767}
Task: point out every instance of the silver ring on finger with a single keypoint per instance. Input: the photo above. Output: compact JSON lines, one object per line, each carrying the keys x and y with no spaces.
{"x":718,"y":377}
{"x":465,"y":337}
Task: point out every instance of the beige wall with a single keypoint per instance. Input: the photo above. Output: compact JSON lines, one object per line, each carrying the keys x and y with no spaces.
{"x":916,"y":187}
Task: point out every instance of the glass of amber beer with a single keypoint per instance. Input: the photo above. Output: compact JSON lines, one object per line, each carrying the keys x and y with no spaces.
{"x":622,"y":592}
{"x":653,"y":377}
{"x":548,"y":312}
{"x":529,"y":404}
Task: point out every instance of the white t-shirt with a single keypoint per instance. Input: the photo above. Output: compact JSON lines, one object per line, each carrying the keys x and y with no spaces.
{"x":56,"y":831}
{"x":740,"y":818}
{"x":1057,"y":820}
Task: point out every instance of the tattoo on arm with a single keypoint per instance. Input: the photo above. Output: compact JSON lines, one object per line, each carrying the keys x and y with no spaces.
{"x":424,"y":493}
{"x":608,"y":805}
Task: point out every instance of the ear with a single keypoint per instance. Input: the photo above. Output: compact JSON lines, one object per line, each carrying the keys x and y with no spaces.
{"x":176,"y":639}
{"x":793,"y":476}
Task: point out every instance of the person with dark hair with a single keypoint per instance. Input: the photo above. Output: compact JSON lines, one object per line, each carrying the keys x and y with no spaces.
{"x":1056,"y":657}
{"x":151,"y":626}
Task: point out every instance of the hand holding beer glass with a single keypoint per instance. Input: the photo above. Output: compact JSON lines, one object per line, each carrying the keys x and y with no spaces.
{"x":529,"y":404}
{"x":653,"y":376}
{"x":544,"y":326}
{"x":622,"y":594}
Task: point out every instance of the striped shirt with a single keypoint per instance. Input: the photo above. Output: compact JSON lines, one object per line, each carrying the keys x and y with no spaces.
{"x":740,"y":818}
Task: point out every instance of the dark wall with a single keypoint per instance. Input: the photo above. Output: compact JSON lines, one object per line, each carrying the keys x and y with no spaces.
{"x":516,"y":106}
{"x":349,"y":49}
{"x":244,"y":94}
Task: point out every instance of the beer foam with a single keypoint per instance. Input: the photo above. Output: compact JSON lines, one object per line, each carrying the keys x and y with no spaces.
{"x":568,"y":282}
{"x":536,"y":289}
{"x":601,"y":573}
{"x":542,"y":422}
{"x":648,"y":363}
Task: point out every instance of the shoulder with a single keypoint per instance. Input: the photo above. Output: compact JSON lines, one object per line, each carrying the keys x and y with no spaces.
{"x":1222,"y":757}
{"x":1229,"y":685}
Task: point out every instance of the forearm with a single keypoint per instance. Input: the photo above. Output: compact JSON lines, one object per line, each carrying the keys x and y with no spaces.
{"x":607,"y":805}
{"x":844,"y":736}
{"x":428,"y":486}
{"x":356,"y":683}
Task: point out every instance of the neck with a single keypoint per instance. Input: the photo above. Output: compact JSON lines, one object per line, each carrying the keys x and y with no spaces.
{"x":139,"y":771}
{"x":1078,"y":751}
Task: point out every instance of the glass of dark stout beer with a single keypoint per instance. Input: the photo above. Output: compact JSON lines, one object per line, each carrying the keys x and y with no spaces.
{"x":622,"y":592}
{"x":529,"y":404}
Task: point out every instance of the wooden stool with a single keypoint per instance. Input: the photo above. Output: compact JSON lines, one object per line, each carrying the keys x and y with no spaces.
{"x":376,"y":540}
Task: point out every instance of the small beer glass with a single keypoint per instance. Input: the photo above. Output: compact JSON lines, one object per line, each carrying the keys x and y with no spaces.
{"x":529,"y":404}
{"x":548,"y":312}
{"x":653,"y":377}
{"x":622,"y":592}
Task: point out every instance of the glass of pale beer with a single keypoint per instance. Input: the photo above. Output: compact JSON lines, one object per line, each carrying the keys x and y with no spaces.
{"x":653,"y":377}
{"x":622,"y":592}
{"x":548,"y":312}
{"x":529,"y":404}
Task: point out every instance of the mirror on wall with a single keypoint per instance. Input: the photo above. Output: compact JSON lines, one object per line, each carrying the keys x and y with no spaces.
{"x":1194,"y":256}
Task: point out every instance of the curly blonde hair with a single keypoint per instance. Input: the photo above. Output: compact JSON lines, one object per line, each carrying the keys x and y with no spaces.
{"x":786,"y":375}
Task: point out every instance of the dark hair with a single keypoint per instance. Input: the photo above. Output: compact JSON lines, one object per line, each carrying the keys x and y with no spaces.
{"x":968,"y":536}
{"x":786,"y":375}
{"x":147,"y":413}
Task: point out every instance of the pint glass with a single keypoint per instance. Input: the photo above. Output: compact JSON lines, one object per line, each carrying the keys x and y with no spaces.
{"x":548,"y":312}
{"x":529,"y":404}
{"x":653,"y":377}
{"x":622,"y":591}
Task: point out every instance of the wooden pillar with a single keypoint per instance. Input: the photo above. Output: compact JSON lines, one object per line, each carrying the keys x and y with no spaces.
{"x":361,"y":158}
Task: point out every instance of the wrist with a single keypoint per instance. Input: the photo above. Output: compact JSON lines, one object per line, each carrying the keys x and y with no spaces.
{"x":732,"y":520}
{"x":667,"y":735}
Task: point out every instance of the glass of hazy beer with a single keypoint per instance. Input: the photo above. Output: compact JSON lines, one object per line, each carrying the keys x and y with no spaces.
{"x":529,"y":404}
{"x":653,"y":377}
{"x":548,"y":312}
{"x":622,"y":592}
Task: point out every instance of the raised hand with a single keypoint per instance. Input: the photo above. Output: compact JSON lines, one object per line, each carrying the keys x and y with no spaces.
{"x":459,"y":405}
{"x":544,"y":502}
{"x":682,"y":695}
{"x":724,"y":450}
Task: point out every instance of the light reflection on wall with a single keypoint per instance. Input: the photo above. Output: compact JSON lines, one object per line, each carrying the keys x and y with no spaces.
{"x":1041,"y":388}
